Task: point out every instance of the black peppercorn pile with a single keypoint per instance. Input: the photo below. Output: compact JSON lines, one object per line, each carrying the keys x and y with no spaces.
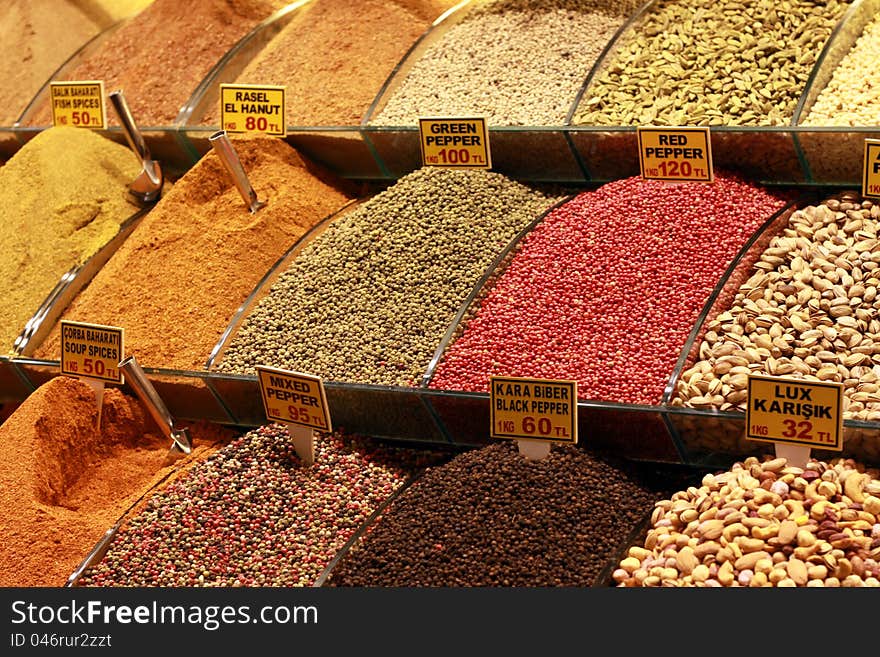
{"x":252,"y":515}
{"x":489,"y":517}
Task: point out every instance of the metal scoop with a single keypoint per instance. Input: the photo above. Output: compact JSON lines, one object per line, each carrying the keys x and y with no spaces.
{"x":229,"y":158}
{"x":137,"y":379}
{"x":147,"y":187}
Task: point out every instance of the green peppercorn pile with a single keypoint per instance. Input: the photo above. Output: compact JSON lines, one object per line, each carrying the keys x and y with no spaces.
{"x":369,"y":300}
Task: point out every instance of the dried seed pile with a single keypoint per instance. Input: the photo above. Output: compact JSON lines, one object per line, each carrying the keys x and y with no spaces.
{"x":519,"y":62}
{"x":489,"y":517}
{"x":765,"y":524}
{"x":711,"y":62}
{"x":851,"y":98}
{"x":253,"y":516}
{"x":607,"y":288}
{"x":810,"y":310}
{"x":370,"y":298}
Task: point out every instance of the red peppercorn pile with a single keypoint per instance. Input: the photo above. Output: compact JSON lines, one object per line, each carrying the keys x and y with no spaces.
{"x":607,"y":288}
{"x":253,"y":516}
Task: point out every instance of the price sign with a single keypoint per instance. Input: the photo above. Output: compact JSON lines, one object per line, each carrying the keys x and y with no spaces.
{"x":871,"y":168}
{"x":534,"y":409}
{"x":78,"y":104}
{"x":460,"y":143}
{"x":92,"y":351}
{"x":676,"y":154}
{"x":294,"y":398}
{"x":253,"y":108}
{"x":794,"y":411}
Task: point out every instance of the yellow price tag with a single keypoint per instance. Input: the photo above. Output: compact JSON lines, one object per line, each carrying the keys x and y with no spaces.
{"x":534,"y":409}
{"x":871,"y":168}
{"x":461,"y":143}
{"x":294,"y":398}
{"x":676,"y":154}
{"x":794,"y":411}
{"x":253,"y":108}
{"x":78,"y":104}
{"x":92,"y":351}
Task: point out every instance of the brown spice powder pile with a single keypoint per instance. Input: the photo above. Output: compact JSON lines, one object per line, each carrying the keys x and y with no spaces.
{"x":333,"y":60}
{"x":180,"y":276}
{"x":37,"y":36}
{"x":160,"y":56}
{"x":63,"y":483}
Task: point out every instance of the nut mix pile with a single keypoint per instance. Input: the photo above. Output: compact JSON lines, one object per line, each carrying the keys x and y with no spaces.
{"x":489,"y":517}
{"x":253,"y":516}
{"x":712,"y":62}
{"x":765,"y":524}
{"x":809,"y":311}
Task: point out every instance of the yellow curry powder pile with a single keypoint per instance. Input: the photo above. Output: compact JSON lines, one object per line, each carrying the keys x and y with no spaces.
{"x":62,"y":197}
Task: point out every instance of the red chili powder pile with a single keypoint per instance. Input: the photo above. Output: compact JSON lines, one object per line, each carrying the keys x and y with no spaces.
{"x":159,"y":57}
{"x":180,"y":276}
{"x":63,"y":483}
{"x":333,"y":59}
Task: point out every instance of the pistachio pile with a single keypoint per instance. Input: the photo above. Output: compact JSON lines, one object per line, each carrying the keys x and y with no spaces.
{"x":764,"y":524}
{"x":810,"y":311}
{"x":711,"y":62}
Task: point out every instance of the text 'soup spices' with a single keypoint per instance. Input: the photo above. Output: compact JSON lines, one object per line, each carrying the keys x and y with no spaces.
{"x":179,"y":277}
{"x":64,"y":483}
{"x":370,"y":299}
{"x":62,"y":197}
{"x":606,"y":289}
{"x":158,"y":81}
{"x":333,"y":60}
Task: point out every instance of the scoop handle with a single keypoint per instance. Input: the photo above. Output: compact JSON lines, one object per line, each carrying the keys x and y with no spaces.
{"x":132,"y":135}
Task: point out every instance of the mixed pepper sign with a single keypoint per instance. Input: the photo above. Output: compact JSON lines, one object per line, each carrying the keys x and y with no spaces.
{"x":534,"y":409}
{"x":294,"y":398}
{"x":253,"y":108}
{"x":78,"y":104}
{"x":460,"y":143}
{"x":794,"y":411}
{"x":675,"y":154}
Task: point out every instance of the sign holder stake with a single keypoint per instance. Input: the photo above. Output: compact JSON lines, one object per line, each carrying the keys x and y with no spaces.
{"x":98,"y":387}
{"x":303,"y":442}
{"x":796,"y":455}
{"x":533,"y":450}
